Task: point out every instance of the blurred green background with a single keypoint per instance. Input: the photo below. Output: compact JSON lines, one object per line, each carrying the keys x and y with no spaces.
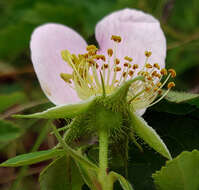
{"x":20,"y":91}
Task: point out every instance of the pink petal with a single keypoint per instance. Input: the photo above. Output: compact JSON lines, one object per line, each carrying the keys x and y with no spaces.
{"x":139,"y":32}
{"x":47,"y":42}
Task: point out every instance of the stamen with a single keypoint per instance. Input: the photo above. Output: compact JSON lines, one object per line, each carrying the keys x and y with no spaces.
{"x":170,"y":85}
{"x":117,"y":61}
{"x":156,"y":65}
{"x":173,"y":72}
{"x":148,"y":66}
{"x":135,"y":66}
{"x":110,"y":52}
{"x":128,"y":58}
{"x":148,"y":53}
{"x":117,"y":39}
{"x":163,"y":71}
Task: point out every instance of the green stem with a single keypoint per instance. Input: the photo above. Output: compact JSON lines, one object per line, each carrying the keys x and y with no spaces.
{"x":103,"y":160}
{"x":103,"y":150}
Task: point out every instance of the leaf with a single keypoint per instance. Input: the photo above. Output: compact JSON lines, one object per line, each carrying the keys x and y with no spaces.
{"x":32,"y":158}
{"x":89,"y":176}
{"x":183,"y":97}
{"x":63,"y":111}
{"x":8,"y":131}
{"x":179,"y":173}
{"x":8,"y":100}
{"x":61,"y":174}
{"x":149,"y":135}
{"x":123,"y":182}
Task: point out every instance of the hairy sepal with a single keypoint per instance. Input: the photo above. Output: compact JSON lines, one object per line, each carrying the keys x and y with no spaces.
{"x":62,"y":111}
{"x":149,"y":135}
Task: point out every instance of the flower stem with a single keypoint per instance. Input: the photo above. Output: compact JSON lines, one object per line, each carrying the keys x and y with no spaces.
{"x":103,"y":160}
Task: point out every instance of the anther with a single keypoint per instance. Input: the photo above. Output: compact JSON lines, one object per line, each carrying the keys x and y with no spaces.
{"x":156,"y":65}
{"x":91,"y":62}
{"x":126,"y":64}
{"x":103,"y":58}
{"x":124,"y":74}
{"x":91,"y":47}
{"x":128,"y":58}
{"x":148,"y":53}
{"x":173,"y":72}
{"x":116,"y":69}
{"x":131,"y":73}
{"x":163,"y":71}
{"x":135,"y":66}
{"x":170,"y":85}
{"x":66,"y":77}
{"x":117,"y":61}
{"x":158,"y":84}
{"x":116,"y":38}
{"x":148,"y":66}
{"x":110,"y":52}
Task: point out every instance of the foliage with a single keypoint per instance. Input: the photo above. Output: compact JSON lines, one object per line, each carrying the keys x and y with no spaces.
{"x":175,"y":118}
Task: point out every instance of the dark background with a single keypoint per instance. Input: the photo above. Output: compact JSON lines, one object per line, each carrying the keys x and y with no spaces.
{"x":20,"y":91}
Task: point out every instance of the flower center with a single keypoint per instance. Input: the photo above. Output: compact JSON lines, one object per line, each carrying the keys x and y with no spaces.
{"x":91,"y":68}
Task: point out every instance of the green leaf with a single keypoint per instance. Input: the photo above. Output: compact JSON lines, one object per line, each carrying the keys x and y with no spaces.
{"x":8,"y":131}
{"x":8,"y":100}
{"x":123,"y":182}
{"x":149,"y":135}
{"x":183,"y":97}
{"x":179,"y":173}
{"x":89,"y":176}
{"x":63,"y":111}
{"x":61,"y":174}
{"x":32,"y":158}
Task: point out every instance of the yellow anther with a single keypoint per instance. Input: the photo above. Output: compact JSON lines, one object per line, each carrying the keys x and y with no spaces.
{"x":154,"y":73}
{"x":86,"y":55}
{"x":156,"y":65}
{"x":97,"y":57}
{"x":131,"y":73}
{"x":155,"y":89}
{"x":116,"y":38}
{"x":91,"y":47}
{"x":163,"y":71}
{"x":92,"y":52}
{"x":128,"y":58}
{"x":158,"y":84}
{"x":126,"y":64}
{"x":170,"y":85}
{"x":117,"y":61}
{"x":135,"y":66}
{"x":148,"y":66}
{"x":147,"y":89}
{"x":91,"y":62}
{"x":105,"y":66}
{"x":149,"y":78}
{"x":66,"y":77}
{"x":173,"y":72}
{"x":103,"y":58}
{"x":158,"y":75}
{"x":110,"y":52}
{"x":116,"y":69}
{"x":148,"y":53}
{"x":75,"y":59}
{"x":124,"y":74}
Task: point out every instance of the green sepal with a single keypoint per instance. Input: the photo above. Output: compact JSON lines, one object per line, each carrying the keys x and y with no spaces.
{"x":62,"y":111}
{"x":183,"y":97}
{"x":32,"y":158}
{"x":149,"y":135}
{"x":113,"y":176}
{"x":180,"y":173}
